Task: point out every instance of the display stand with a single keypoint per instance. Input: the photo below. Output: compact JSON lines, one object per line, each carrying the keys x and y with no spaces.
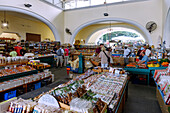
{"x":46,"y":59}
{"x":164,"y":107}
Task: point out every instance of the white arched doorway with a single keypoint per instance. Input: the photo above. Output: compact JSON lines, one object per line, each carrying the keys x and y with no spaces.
{"x":94,"y":38}
{"x":112,"y":19}
{"x":117,"y":26}
{"x":39,"y":17}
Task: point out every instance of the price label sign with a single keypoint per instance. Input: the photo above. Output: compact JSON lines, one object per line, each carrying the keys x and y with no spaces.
{"x":49,"y":100}
{"x":117,"y":72}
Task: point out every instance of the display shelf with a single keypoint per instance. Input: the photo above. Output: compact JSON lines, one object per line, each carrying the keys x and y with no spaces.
{"x":164,"y":107}
{"x":18,"y":63}
{"x":13,"y":76}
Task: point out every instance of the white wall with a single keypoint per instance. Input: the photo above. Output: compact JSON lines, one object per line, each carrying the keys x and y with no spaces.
{"x":50,"y":13}
{"x":140,"y":12}
{"x":166,"y":23}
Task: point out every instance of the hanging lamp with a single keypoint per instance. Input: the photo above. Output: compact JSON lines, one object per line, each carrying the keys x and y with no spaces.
{"x":4,"y":22}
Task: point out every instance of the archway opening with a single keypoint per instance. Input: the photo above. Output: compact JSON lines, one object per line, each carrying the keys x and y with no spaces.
{"x":20,"y":24}
{"x":135,"y":25}
{"x":36,"y":16}
{"x":114,"y":35}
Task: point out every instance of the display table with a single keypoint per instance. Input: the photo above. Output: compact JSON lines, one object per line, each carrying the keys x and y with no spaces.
{"x":14,"y":76}
{"x":138,"y":71}
{"x":46,"y":59}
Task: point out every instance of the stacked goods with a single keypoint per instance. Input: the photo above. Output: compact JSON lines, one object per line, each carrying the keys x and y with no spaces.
{"x":87,"y":74}
{"x":108,"y":86}
{"x":34,"y":62}
{"x":165,"y":64}
{"x":19,"y":69}
{"x":22,"y":106}
{"x":28,"y":106}
{"x":67,"y":93}
{"x":162,"y":78}
{"x":142,"y":66}
{"x":90,"y":80}
{"x":24,"y":80}
{"x":13,"y":60}
{"x":131,"y":65}
{"x":97,"y":104}
{"x":153,"y":65}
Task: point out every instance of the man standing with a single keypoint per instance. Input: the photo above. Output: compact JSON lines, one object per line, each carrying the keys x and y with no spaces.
{"x":18,"y":48}
{"x":60,"y":54}
{"x":126,"y":55}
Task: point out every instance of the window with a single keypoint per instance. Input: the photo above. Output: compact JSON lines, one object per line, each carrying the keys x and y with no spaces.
{"x":97,"y":2}
{"x":70,"y":4}
{"x":112,"y":1}
{"x":83,"y":3}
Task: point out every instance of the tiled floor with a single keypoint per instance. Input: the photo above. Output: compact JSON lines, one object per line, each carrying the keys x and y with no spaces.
{"x":141,"y":98}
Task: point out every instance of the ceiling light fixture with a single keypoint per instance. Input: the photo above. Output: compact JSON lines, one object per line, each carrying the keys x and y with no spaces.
{"x":106,"y":14}
{"x":28,"y":5}
{"x":4,"y":22}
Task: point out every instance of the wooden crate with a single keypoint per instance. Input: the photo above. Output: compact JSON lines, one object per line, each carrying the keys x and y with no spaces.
{"x":164,"y":108}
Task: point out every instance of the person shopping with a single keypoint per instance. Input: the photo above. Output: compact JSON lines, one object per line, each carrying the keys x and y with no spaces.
{"x":13,"y":53}
{"x":144,"y":59}
{"x":148,"y":52}
{"x":66,"y":57}
{"x":127,"y":52}
{"x":60,"y":54}
{"x":104,"y":55}
{"x":18,"y":48}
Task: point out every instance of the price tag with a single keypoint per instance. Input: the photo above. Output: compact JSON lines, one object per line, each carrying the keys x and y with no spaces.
{"x":117,"y":72}
{"x":49,"y":100}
